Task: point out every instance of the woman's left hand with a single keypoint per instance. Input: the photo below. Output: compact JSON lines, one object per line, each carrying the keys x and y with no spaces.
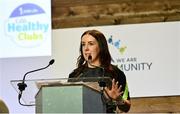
{"x":115,"y":91}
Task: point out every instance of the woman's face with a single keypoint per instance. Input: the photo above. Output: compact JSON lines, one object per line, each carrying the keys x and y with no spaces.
{"x":90,"y":46}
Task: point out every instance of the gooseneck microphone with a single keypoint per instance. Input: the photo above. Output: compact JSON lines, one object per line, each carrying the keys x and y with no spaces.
{"x":23,"y":85}
{"x":102,"y":83}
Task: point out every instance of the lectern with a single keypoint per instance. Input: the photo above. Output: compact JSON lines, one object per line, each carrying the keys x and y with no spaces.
{"x":69,"y":98}
{"x":64,"y":95}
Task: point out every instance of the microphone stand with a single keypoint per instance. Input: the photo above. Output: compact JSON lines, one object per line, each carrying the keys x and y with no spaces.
{"x":23,"y":85}
{"x":101,"y":82}
{"x":104,"y":96}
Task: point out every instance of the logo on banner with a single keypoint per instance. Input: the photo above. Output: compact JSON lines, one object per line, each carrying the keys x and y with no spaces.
{"x":117,"y":44}
{"x":126,"y":63}
{"x":28,"y":25}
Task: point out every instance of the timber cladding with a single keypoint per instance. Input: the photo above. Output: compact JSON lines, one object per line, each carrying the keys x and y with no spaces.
{"x":84,"y":13}
{"x":161,"y":104}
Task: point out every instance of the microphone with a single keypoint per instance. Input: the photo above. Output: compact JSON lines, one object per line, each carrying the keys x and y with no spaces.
{"x":23,"y":85}
{"x":90,"y":63}
{"x":102,"y":83}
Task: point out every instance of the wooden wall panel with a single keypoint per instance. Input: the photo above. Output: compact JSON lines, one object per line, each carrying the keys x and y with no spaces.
{"x":163,"y":104}
{"x":82,"y":13}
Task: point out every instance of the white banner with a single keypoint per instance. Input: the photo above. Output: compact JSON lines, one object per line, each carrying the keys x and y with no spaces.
{"x":147,"y":53}
{"x":25,"y":28}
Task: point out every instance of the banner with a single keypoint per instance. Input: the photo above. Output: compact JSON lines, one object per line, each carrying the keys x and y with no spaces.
{"x":25,"y":28}
{"x":147,"y":53}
